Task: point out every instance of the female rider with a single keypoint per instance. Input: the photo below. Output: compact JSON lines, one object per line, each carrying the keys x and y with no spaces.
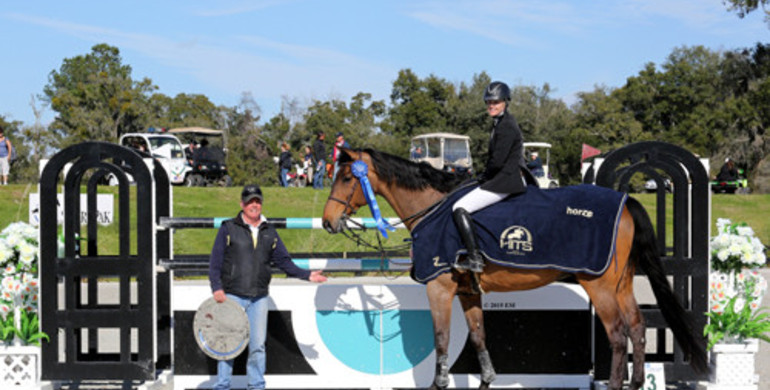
{"x":504,"y":175}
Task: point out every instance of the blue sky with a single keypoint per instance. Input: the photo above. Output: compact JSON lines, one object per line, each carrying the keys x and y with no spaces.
{"x":319,"y":50}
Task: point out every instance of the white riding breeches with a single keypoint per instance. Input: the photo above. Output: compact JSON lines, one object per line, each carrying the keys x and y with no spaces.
{"x":478,"y":199}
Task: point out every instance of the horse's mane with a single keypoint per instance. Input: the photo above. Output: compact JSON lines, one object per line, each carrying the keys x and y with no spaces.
{"x":408,"y":174}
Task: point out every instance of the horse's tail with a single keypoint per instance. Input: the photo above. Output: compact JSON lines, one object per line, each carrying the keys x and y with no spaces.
{"x":645,"y":252}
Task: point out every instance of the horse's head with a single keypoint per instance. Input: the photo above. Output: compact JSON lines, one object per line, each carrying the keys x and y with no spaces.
{"x":347,"y":196}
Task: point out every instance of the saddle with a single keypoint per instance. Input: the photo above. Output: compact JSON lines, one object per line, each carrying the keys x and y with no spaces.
{"x":572,"y":229}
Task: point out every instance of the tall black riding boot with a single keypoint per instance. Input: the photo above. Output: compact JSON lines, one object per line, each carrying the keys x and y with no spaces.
{"x":473,"y":260}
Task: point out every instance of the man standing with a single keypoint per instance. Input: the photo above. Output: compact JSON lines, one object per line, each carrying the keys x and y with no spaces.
{"x":319,"y":156}
{"x":5,"y":156}
{"x":284,"y":165}
{"x":240,"y":270}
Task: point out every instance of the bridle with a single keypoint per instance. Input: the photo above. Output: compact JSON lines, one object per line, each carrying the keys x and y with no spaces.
{"x":349,"y":211}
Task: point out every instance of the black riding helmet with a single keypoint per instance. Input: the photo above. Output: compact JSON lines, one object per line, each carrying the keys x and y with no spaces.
{"x":497,"y":90}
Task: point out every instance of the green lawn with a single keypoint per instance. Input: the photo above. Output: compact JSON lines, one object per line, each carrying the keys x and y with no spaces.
{"x":306,"y":202}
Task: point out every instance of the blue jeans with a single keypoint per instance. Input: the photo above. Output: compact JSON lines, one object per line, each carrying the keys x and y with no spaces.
{"x":256,"y":311}
{"x":282,"y":177}
{"x":318,"y":178}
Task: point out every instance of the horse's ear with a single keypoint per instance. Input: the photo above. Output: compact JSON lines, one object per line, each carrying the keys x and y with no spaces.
{"x":346,"y":155}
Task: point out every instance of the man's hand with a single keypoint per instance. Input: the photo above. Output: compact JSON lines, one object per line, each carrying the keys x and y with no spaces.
{"x":317,"y":277}
{"x":219,"y":296}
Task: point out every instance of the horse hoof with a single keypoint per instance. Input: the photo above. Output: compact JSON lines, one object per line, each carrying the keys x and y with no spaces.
{"x":484,"y":385}
{"x":434,"y":386}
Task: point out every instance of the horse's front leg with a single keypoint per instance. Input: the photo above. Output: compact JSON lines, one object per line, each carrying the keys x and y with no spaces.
{"x":441,"y":291}
{"x":474,"y":316}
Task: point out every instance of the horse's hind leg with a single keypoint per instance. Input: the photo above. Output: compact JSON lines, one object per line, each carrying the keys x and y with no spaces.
{"x":637,"y":331}
{"x":474,"y":316}
{"x":607,"y":309}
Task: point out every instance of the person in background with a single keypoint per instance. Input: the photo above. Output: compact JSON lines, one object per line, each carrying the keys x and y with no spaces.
{"x":319,"y":156}
{"x":240,"y":270}
{"x":340,"y":143}
{"x":189,"y":151}
{"x":284,"y":165}
{"x":535,"y":165}
{"x":6,"y":148}
{"x":728,"y":172}
{"x":504,"y":175}
{"x":308,"y":163}
{"x":202,"y":153}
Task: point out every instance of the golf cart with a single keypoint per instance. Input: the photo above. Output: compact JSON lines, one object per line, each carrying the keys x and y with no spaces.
{"x":444,"y":151}
{"x":165,"y":148}
{"x":543,"y":176}
{"x":206,"y":156}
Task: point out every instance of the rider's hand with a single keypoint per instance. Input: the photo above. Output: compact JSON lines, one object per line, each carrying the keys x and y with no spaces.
{"x":219,"y":296}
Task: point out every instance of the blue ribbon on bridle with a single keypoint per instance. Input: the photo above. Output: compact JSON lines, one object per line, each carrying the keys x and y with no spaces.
{"x":360,"y":169}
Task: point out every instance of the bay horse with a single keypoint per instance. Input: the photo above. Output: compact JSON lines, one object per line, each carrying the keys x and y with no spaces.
{"x":413,"y":188}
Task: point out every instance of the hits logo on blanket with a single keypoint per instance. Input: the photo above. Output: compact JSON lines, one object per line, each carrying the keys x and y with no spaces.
{"x":515,"y":240}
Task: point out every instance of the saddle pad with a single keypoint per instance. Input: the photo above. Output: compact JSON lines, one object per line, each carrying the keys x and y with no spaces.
{"x":569,"y":228}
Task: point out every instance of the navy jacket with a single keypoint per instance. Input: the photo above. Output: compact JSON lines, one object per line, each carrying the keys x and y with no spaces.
{"x":237,"y":267}
{"x":319,"y":151}
{"x":505,"y":160}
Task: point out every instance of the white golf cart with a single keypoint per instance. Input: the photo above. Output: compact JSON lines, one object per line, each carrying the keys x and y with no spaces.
{"x":444,"y":151}
{"x":166,"y":148}
{"x":543,"y":176}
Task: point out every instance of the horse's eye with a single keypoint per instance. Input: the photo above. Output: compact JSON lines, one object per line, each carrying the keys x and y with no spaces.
{"x":347,"y":178}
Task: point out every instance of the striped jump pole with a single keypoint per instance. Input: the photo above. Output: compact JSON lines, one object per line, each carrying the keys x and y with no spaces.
{"x":329,"y":264}
{"x":278,"y":223}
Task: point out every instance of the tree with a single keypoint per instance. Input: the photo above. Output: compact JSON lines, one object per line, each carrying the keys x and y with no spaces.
{"x":184,"y":110}
{"x":249,"y":155}
{"x":37,"y":144}
{"x":95,"y":97}
{"x":745,"y":7}
{"x":419,"y":106}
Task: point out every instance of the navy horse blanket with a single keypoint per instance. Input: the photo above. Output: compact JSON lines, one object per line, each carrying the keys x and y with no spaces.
{"x":568,"y":228}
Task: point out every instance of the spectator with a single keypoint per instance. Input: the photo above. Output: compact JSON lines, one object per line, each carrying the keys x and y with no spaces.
{"x":249,"y":245}
{"x":728,"y":171}
{"x":340,"y":143}
{"x":319,"y":156}
{"x":308,"y":163}
{"x":202,"y":153}
{"x":284,"y":165}
{"x":189,"y":151}
{"x":417,"y":152}
{"x":535,"y":165}
{"x":6,"y":150}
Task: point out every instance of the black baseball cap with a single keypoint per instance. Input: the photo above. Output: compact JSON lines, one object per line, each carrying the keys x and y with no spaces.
{"x":339,"y":133}
{"x":250,"y":192}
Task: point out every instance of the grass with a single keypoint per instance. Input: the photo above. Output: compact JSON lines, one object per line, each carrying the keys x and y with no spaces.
{"x":306,"y":202}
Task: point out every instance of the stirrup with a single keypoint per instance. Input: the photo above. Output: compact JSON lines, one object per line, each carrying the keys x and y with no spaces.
{"x":476,"y":265}
{"x":470,"y":263}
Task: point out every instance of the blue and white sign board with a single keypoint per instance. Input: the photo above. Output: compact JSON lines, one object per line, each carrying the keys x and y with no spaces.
{"x":104,"y":209}
{"x":376,"y":336}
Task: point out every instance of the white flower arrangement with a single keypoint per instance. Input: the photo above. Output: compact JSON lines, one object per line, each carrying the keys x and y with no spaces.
{"x":19,"y":260}
{"x":735,"y":286}
{"x":735,"y":247}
